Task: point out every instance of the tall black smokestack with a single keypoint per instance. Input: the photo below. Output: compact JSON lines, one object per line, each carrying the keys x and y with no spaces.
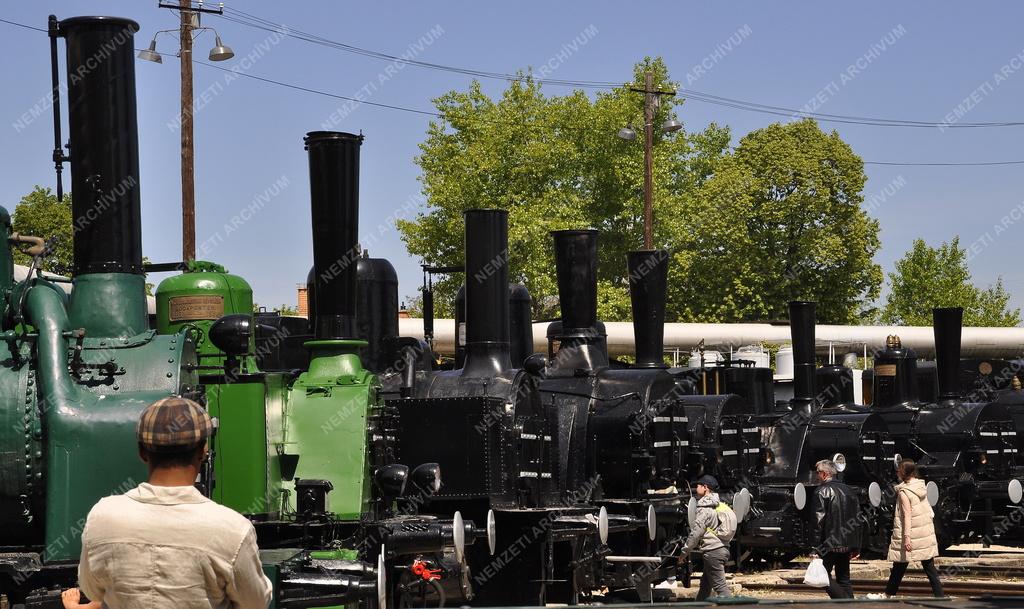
{"x":648,"y":277}
{"x":576,"y":267}
{"x":581,"y":338}
{"x":948,"y":324}
{"x":801,"y":327}
{"x":334,"y":200}
{"x":487,"y":322}
{"x":104,"y":144}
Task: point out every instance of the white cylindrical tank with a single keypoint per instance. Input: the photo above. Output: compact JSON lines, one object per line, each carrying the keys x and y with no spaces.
{"x":784,"y":364}
{"x":753,"y":353}
{"x":711,"y":358}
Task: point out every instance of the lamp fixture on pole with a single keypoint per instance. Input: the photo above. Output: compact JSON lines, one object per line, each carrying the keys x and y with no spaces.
{"x":220,"y":52}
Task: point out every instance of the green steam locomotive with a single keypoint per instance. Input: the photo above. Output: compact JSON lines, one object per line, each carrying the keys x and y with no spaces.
{"x":300,"y":452}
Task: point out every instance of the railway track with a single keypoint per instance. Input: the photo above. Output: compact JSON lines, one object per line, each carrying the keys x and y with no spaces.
{"x":1012,"y":571}
{"x":980,"y":552}
{"x":909,"y":587}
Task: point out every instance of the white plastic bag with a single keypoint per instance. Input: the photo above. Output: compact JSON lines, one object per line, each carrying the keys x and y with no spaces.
{"x":816,"y":575}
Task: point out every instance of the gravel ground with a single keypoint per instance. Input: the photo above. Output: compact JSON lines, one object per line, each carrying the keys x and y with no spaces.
{"x":859,"y":569}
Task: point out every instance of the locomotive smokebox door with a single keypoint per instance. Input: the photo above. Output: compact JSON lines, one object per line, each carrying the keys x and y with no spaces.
{"x":311,"y":496}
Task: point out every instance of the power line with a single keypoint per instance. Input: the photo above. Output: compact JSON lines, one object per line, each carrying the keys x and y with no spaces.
{"x":316,"y":91}
{"x":535,"y":124}
{"x":254,"y":21}
{"x":247,"y":19}
{"x":27,"y":27}
{"x":545,"y":125}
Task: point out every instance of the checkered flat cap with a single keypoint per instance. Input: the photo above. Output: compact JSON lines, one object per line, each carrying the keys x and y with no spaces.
{"x":170,"y":424}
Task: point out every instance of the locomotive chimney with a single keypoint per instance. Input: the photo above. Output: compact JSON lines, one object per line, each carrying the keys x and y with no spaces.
{"x":581,"y":338}
{"x":576,"y":266}
{"x":104,"y":152}
{"x":520,"y":323}
{"x":487,"y":321}
{"x":334,"y":200}
{"x":801,"y":327}
{"x":104,"y":143}
{"x":648,"y":276}
{"x":947,"y":323}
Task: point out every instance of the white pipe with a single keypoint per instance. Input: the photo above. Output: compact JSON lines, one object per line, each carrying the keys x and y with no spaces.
{"x":976,"y":342}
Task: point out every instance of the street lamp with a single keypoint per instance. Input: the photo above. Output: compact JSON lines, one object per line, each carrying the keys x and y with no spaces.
{"x":219,"y":52}
{"x":671,"y":126}
{"x":187,"y":32}
{"x":627,"y":133}
{"x":150,"y":54}
{"x":651,"y":99}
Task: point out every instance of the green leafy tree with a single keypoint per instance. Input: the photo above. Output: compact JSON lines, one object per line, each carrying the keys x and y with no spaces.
{"x":40,"y":214}
{"x":283,"y":309}
{"x":928,"y":277}
{"x":777,"y":219}
{"x":554,"y":163}
{"x":780,"y":219}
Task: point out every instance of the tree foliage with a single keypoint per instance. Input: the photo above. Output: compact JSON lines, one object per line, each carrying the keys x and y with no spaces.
{"x":40,"y":214}
{"x":777,"y":219}
{"x":928,"y":277}
{"x":780,"y":220}
{"x":554,"y":163}
{"x":283,"y":309}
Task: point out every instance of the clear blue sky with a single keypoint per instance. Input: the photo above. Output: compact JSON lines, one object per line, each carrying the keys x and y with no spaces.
{"x":249,"y":134}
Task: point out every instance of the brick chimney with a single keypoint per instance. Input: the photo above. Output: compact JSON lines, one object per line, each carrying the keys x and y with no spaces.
{"x":303,"y":298}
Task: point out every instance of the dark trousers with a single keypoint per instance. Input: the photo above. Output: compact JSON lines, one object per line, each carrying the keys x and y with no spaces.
{"x":839,"y":586}
{"x":713,"y":575}
{"x":900,"y":568}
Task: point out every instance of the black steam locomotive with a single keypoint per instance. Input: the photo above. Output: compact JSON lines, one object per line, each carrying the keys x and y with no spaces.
{"x":966,"y":449}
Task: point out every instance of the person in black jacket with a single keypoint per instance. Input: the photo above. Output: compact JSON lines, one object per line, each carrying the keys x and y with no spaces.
{"x":836,"y":528}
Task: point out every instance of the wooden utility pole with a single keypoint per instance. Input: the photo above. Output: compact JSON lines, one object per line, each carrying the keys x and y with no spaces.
{"x":189,"y":23}
{"x":648,"y":160}
{"x":651,"y":101}
{"x":188,"y":178}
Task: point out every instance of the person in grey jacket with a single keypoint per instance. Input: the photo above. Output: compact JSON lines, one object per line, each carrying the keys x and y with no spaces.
{"x":703,"y":539}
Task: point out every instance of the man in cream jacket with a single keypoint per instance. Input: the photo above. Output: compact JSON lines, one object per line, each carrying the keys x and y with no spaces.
{"x":163,"y":545}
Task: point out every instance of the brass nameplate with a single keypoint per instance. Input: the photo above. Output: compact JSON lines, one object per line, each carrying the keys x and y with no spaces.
{"x":885,"y":370}
{"x":190,"y":308}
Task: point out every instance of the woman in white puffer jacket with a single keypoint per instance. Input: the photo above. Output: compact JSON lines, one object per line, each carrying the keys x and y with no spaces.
{"x":913,"y":531}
